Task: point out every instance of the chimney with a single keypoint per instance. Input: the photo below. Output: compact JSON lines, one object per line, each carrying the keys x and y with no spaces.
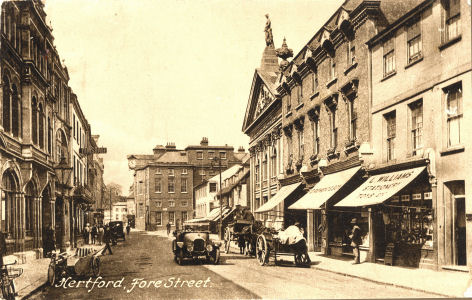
{"x":204,"y":141}
{"x":158,"y":150}
{"x":170,"y":146}
{"x":241,"y":149}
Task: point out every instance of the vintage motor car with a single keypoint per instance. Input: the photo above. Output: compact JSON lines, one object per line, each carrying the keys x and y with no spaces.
{"x":195,"y":245}
{"x":116,"y":228}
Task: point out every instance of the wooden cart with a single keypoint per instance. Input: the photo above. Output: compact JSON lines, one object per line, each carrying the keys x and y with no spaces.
{"x":236,"y":230}
{"x":269,"y":245}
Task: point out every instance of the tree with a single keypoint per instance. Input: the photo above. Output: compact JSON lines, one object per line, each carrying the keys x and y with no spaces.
{"x":113,"y":194}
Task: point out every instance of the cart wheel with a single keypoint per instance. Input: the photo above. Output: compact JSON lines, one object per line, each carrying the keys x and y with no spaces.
{"x":227,"y":240}
{"x":95,"y":266}
{"x":301,"y":259}
{"x":180,"y":257}
{"x":51,"y":274}
{"x":262,"y":251}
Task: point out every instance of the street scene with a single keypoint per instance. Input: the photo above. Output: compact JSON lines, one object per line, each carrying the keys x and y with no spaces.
{"x":218,"y":149}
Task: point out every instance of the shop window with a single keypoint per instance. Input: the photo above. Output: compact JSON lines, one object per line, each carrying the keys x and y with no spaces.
{"x":159,"y":218}
{"x":414,"y":40}
{"x":451,"y":20}
{"x":416,"y":110}
{"x":391,"y":120}
{"x":454,"y":114}
{"x":389,"y":56}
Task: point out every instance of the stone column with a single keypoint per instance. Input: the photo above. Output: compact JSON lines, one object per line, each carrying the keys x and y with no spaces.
{"x":371,"y":256}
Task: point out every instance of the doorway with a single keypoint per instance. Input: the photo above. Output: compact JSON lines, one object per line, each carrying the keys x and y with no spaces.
{"x":460,"y":252}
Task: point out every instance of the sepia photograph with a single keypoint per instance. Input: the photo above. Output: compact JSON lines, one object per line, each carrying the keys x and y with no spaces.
{"x":221,"y":149}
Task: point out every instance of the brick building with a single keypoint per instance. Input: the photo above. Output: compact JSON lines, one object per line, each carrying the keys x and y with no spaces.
{"x":164,"y":181}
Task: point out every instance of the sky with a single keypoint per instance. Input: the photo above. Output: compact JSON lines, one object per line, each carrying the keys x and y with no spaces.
{"x":148,"y":72}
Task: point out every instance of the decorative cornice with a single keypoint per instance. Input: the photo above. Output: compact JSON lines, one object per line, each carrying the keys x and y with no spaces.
{"x":314,"y":113}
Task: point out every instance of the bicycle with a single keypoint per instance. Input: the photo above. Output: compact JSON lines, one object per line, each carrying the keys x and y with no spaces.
{"x":7,"y":285}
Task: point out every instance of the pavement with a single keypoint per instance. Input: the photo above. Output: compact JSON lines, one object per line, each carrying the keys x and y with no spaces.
{"x":442,"y":283}
{"x":35,"y":271}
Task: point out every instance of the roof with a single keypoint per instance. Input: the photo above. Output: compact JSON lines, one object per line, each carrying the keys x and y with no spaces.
{"x":173,"y":156}
{"x":226,"y":173}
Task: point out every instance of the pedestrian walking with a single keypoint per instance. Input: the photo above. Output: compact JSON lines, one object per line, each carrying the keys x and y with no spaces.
{"x":356,"y":240}
{"x":107,"y":239}
{"x":94,"y":233}
{"x":49,"y":241}
{"x":128,"y":228}
{"x":87,"y":234}
{"x":168,"y":228}
{"x":100,"y":234}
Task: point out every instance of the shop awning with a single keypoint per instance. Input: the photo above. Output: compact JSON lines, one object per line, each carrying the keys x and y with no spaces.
{"x":283,"y":193}
{"x":214,"y":215}
{"x":324,"y":189}
{"x":379,"y":188}
{"x":200,"y":222}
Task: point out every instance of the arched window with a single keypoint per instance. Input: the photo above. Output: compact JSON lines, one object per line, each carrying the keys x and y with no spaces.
{"x":15,"y":112}
{"x":41,"y":126}
{"x":34,"y":120}
{"x":61,"y":146}
{"x":49,"y":136}
{"x":29,"y":208}
{"x":9,"y":192}
{"x":6,"y":104}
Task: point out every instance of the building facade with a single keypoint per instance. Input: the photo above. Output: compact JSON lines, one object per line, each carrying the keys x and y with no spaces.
{"x":35,"y":130}
{"x":164,"y":181}
{"x":421,"y":78}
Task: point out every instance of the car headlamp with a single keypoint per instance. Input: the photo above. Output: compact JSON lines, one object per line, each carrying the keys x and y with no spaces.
{"x":209,"y":248}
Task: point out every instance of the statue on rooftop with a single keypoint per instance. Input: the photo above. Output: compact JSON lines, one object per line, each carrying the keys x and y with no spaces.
{"x":268,"y":32}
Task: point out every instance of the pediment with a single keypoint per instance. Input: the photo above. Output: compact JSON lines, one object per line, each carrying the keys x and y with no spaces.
{"x":262,"y":94}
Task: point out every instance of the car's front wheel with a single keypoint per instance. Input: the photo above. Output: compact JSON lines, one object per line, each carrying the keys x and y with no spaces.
{"x":215,"y":256}
{"x":179,"y":257}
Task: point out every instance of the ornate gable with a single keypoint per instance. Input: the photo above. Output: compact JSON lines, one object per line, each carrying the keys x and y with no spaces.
{"x":261,"y":96}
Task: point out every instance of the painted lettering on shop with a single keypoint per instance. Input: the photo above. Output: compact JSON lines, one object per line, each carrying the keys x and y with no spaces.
{"x":393,"y":177}
{"x":326,"y":189}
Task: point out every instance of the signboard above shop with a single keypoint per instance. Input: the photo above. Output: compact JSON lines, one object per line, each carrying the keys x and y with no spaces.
{"x":86,"y":151}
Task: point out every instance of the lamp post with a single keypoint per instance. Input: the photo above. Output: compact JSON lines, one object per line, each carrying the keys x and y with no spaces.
{"x":63,"y":172}
{"x":218,"y":160}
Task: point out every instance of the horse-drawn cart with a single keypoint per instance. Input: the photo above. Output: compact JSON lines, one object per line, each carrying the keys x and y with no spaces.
{"x":236,"y":231}
{"x":269,"y":244}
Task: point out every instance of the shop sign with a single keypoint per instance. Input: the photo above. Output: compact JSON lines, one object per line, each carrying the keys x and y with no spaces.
{"x":405,"y":198}
{"x":416,"y":196}
{"x":428,"y":196}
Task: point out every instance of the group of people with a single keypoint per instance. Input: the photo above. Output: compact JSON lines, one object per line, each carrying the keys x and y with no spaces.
{"x":94,"y":234}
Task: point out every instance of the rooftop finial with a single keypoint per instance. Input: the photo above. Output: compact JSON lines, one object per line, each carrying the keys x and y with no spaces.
{"x":284,"y":52}
{"x":268,"y":32}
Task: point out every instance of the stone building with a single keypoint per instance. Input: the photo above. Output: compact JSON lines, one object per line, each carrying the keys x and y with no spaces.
{"x":35,"y":130}
{"x":263,"y":124}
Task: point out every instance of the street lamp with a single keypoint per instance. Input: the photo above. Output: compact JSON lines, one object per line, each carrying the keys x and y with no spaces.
{"x":217,"y":159}
{"x":63,"y":172}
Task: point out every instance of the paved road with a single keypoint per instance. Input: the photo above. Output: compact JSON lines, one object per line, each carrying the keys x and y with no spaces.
{"x":148,"y":257}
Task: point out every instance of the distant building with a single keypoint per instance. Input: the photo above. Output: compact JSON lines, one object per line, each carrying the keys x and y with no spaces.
{"x":164,"y":181}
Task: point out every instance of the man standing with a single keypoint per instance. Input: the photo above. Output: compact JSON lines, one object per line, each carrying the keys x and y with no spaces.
{"x":128,"y":228}
{"x":107,"y":240}
{"x":356,"y":240}
{"x":49,"y":241}
{"x":94,"y":233}
{"x":168,"y":228}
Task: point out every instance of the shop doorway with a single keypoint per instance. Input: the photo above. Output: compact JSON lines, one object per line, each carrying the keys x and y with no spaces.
{"x":318,"y":230}
{"x":460,"y":252}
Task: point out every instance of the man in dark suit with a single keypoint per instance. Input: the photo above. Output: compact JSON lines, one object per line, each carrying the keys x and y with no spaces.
{"x":356,"y":240}
{"x":107,"y":239}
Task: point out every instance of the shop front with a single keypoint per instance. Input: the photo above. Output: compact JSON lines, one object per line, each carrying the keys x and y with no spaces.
{"x":333,"y":225}
{"x":398,"y":209}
